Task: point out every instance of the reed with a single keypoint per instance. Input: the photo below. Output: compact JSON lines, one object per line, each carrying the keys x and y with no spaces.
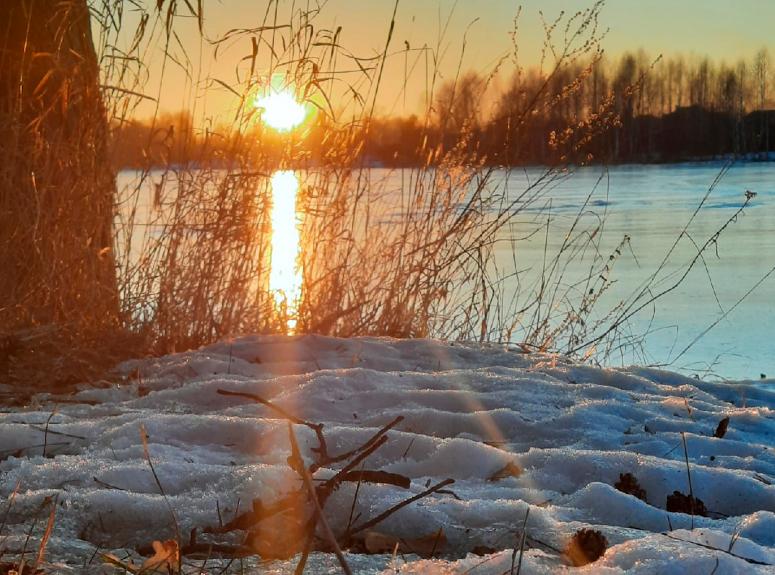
{"x":410,"y":262}
{"x":191,"y":227}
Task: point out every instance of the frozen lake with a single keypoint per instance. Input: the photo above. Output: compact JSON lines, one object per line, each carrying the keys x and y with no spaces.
{"x":653,"y":204}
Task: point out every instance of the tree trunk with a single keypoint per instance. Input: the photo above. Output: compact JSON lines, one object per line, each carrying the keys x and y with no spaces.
{"x":56,"y":187}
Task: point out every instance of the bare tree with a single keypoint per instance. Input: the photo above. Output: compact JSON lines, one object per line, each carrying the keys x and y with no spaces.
{"x":56,"y":186}
{"x":761,"y":67}
{"x":458,"y":104}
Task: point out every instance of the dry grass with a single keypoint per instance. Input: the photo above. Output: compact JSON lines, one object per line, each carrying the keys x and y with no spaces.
{"x":409,"y":262}
{"x":191,"y":242}
{"x":56,"y":192}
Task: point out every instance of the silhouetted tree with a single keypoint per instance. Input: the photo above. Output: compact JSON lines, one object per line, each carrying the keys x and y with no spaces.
{"x":761,"y":67}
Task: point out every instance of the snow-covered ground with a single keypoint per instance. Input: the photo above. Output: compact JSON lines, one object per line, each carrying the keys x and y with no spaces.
{"x":568,"y":430}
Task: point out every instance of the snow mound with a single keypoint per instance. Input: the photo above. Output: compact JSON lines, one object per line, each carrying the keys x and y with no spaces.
{"x":515,"y":431}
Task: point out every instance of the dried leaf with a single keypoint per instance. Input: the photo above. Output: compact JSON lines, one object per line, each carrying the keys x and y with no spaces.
{"x":680,"y":503}
{"x":586,"y":546}
{"x":721,"y":429}
{"x":166,"y":557}
{"x":628,"y":483}
{"x":511,"y":469}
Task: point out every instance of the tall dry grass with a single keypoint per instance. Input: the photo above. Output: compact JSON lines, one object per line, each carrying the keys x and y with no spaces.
{"x":56,"y":191}
{"x":191,"y":240}
{"x":58,"y":284}
{"x":409,"y":262}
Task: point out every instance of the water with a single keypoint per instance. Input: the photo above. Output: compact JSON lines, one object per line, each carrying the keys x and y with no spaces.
{"x":285,"y":278}
{"x":652,"y":205}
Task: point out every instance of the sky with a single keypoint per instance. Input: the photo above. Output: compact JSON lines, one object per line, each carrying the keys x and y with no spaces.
{"x":721,"y":29}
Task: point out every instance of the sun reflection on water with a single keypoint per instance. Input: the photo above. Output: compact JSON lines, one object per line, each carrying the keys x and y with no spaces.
{"x":285,"y":276}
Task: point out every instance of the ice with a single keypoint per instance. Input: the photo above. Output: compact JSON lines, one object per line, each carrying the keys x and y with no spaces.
{"x":568,"y":431}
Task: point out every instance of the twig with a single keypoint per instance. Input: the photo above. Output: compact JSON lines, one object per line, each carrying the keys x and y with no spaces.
{"x":11,"y":499}
{"x":316,"y":427}
{"x":747,"y":559}
{"x":22,"y":560}
{"x":521,"y":544}
{"x":408,"y":447}
{"x":439,"y":533}
{"x":53,"y":432}
{"x":299,"y":468}
{"x":539,"y":543}
{"x":46,"y":535}
{"x":108,"y":485}
{"x":384,"y":515}
{"x":144,"y":437}
{"x":382,"y":477}
{"x":329,"y":486}
{"x":307,"y":549}
{"x":45,"y":432}
{"x":689,"y":475}
{"x":376,"y":437}
{"x":352,"y":507}
{"x":265,"y":402}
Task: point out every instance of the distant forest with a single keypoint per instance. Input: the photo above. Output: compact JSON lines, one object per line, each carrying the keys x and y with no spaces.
{"x":631,"y":109}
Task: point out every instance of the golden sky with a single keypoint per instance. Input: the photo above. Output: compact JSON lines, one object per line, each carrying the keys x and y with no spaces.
{"x":721,"y":29}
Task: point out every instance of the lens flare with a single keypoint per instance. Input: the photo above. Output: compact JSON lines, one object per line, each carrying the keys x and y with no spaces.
{"x":281,"y":110}
{"x":285,"y":274}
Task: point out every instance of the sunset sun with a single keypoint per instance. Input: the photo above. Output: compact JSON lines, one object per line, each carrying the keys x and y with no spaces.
{"x":281,"y":110}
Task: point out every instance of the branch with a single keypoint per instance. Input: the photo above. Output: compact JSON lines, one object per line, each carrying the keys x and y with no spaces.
{"x":384,"y":515}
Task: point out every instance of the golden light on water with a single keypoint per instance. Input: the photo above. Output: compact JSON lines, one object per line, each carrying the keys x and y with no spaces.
{"x":281,"y":110}
{"x":285,"y":273}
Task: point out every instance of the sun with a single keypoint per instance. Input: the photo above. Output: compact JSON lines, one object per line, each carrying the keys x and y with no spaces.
{"x":281,"y":110}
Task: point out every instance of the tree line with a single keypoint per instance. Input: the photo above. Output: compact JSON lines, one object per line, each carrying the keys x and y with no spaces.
{"x":634,"y":108}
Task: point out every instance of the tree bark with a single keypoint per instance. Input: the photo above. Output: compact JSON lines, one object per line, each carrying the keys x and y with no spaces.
{"x":57,"y":189}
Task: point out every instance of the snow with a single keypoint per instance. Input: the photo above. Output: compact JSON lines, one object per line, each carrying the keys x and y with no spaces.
{"x":468,"y":411}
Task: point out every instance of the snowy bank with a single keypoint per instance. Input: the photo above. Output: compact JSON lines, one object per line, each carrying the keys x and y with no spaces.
{"x":563,"y":433}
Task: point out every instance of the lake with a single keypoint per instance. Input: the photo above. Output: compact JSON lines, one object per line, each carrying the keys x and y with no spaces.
{"x":652,"y":205}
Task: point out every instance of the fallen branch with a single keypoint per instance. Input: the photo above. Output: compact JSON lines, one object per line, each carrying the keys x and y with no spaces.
{"x":297,"y":463}
{"x":383,"y":477}
{"x":345,"y":456}
{"x":316,"y":427}
{"x":385,"y":514}
{"x":331,"y":485}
